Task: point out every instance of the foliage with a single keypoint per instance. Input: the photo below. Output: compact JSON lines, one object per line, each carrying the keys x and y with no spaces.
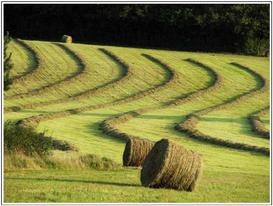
{"x":242,"y":28}
{"x":7,"y":63}
{"x":25,"y":140}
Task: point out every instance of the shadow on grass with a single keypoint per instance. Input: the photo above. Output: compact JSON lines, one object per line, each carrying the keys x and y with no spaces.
{"x":76,"y":181}
{"x":94,"y":129}
{"x":221,"y":119}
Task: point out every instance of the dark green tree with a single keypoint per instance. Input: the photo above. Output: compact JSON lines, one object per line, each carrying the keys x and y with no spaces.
{"x":7,"y":63}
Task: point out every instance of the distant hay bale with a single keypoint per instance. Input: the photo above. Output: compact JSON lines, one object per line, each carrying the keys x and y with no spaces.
{"x":136,"y":151}
{"x":66,"y":39}
{"x":170,"y":165}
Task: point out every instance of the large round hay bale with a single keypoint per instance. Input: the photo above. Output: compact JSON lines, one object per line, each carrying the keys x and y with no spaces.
{"x":66,"y":39}
{"x":136,"y":151}
{"x":170,"y":165}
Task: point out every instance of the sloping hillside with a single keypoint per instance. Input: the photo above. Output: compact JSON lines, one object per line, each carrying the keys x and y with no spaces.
{"x":203,"y":101}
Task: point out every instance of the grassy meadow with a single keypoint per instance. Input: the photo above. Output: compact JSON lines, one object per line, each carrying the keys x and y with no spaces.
{"x":52,"y":79}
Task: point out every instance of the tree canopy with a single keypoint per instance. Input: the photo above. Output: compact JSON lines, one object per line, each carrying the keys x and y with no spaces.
{"x":241,"y":28}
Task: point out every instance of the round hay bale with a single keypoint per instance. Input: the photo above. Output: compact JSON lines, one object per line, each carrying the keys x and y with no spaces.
{"x":66,"y":39}
{"x":170,"y":165}
{"x":136,"y":151}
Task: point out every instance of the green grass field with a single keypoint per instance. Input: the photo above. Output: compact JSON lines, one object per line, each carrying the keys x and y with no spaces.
{"x":51,"y":78}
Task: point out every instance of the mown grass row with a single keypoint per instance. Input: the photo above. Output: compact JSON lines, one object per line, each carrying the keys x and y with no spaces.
{"x":217,"y":81}
{"x":109,"y":126}
{"x":46,"y":73}
{"x":31,"y":67}
{"x":257,"y":124}
{"x":33,"y":121}
{"x":85,"y":94}
{"x":171,"y":79}
{"x":82,"y":109}
{"x":189,"y":125}
{"x":47,"y":88}
{"x":262,"y":87}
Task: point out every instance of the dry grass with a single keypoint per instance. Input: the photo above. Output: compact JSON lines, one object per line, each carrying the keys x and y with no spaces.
{"x":189,"y":125}
{"x":170,"y":165}
{"x":19,"y":160}
{"x":66,"y":39}
{"x":257,"y":125}
{"x":136,"y":151}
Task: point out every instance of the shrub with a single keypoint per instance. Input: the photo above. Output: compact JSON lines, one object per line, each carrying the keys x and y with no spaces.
{"x":255,"y":46}
{"x":25,"y":140}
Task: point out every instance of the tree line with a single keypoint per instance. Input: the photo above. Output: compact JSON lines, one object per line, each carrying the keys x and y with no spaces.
{"x":239,"y":28}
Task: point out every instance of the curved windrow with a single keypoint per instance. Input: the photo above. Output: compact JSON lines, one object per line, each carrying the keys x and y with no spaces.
{"x":256,"y":123}
{"x":54,"y":85}
{"x":199,"y":97}
{"x":126,"y":76}
{"x":34,"y":121}
{"x":189,"y":126}
{"x":49,"y":70}
{"x":109,"y":126}
{"x":74,"y":87}
{"x":23,"y":59}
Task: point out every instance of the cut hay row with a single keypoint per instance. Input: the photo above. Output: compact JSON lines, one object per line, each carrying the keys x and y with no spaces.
{"x":34,"y":121}
{"x":170,"y":165}
{"x":257,"y":124}
{"x":32,"y":66}
{"x":108,"y":126}
{"x":172,"y":76}
{"x":85,"y":94}
{"x":263,"y":87}
{"x":54,"y":85}
{"x":189,"y":125}
{"x":136,"y":148}
{"x":126,"y":75}
{"x":81,"y":61}
{"x":35,"y":66}
{"x":215,"y":83}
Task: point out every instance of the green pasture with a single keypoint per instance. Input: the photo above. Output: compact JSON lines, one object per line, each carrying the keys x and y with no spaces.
{"x":82,"y":75}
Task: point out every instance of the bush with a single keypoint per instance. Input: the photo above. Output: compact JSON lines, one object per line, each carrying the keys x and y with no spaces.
{"x":259,"y":47}
{"x":25,"y":140}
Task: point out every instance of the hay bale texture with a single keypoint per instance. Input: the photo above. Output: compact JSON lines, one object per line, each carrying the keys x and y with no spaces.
{"x":170,"y":165}
{"x":136,"y":151}
{"x":66,"y":39}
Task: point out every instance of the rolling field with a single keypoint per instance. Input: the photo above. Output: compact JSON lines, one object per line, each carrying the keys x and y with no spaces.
{"x":92,"y":95}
